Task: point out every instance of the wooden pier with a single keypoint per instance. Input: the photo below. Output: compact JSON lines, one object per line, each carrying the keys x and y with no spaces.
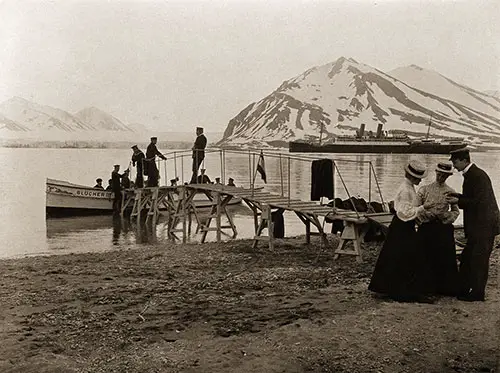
{"x":177,"y":204}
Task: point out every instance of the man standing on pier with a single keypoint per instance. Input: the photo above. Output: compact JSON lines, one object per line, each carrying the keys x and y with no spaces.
{"x":151,"y":153}
{"x":198,"y":152}
{"x":116,"y":188}
{"x":138,"y":157}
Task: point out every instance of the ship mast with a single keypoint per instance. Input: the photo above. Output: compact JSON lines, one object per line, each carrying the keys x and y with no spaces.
{"x":429,"y":128}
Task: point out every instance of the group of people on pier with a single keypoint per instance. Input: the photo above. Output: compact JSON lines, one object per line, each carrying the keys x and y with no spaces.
{"x":418,"y":259}
{"x":146,"y":166}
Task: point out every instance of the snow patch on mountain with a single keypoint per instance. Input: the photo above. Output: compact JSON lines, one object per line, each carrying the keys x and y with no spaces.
{"x":100,"y":120}
{"x":435,"y":83}
{"x":10,"y":125}
{"x":493,"y":93}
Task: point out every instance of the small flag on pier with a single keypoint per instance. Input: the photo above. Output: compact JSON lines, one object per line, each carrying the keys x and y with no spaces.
{"x":261,"y":167}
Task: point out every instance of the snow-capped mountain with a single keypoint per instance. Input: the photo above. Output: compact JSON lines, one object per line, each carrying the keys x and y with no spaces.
{"x":493,"y":93}
{"x":338,"y":97}
{"x":139,"y":127}
{"x":20,"y":118}
{"x":10,"y":125}
{"x":100,"y":120}
{"x":37,"y":117}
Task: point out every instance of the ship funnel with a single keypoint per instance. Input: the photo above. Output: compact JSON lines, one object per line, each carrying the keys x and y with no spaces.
{"x":379,"y":130}
{"x":361,"y":130}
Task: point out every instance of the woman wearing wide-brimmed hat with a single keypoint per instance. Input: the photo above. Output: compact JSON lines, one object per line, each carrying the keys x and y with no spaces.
{"x":399,"y":271}
{"x":436,"y":233}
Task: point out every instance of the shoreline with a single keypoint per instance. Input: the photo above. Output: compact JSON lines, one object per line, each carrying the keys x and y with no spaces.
{"x":225,"y":307}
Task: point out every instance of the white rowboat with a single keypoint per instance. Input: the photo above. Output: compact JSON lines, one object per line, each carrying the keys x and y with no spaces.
{"x":68,"y":199}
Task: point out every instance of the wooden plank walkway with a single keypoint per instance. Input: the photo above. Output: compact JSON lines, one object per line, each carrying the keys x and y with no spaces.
{"x":179,"y":206}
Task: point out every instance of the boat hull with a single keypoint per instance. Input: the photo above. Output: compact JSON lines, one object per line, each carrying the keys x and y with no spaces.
{"x":411,"y":148}
{"x":65,"y":199}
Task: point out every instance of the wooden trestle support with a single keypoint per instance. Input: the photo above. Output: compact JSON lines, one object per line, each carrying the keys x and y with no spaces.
{"x":177,"y":203}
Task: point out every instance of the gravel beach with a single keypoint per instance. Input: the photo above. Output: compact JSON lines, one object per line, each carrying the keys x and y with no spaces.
{"x":227,"y":308}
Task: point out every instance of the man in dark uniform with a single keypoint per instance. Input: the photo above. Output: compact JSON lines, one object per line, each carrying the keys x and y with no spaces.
{"x":116,"y":188}
{"x":99,"y":184}
{"x":481,"y":225}
{"x":126,"y":183}
{"x":138,"y":157}
{"x":203,"y":179}
{"x":152,"y":171}
{"x":198,"y":152}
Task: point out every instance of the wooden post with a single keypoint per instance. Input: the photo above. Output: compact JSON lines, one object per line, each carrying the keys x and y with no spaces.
{"x":218,"y":216}
{"x":289,"y":182}
{"x":139,"y":205}
{"x":154,"y":206}
{"x":308,"y":231}
{"x":270,"y":226}
{"x":183,"y":201}
{"x":370,"y":183}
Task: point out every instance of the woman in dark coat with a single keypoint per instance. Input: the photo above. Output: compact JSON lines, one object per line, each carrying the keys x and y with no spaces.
{"x":399,"y":269}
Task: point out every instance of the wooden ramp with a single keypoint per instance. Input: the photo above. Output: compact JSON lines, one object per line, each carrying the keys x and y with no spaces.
{"x":264,"y":204}
{"x":178,"y":205}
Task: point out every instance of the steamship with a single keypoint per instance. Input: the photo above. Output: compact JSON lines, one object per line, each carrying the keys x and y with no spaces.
{"x":380,"y":143}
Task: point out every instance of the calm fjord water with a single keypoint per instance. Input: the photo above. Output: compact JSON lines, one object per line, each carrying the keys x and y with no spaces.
{"x":25,"y":230}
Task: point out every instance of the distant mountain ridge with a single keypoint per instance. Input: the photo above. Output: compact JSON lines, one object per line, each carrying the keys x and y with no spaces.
{"x":99,"y":119}
{"x":338,"y":97}
{"x":19,"y":114}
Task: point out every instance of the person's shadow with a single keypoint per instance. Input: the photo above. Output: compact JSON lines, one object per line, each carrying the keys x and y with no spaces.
{"x":117,"y":229}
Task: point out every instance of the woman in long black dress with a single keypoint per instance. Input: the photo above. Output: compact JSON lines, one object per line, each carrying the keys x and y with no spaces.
{"x":436,"y":233}
{"x":399,"y":269}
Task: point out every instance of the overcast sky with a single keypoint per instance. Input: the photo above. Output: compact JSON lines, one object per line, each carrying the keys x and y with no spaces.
{"x":177,"y":65}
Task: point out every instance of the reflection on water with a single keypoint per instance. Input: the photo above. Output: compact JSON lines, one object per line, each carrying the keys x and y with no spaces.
{"x":26,"y":231}
{"x":107,"y":232}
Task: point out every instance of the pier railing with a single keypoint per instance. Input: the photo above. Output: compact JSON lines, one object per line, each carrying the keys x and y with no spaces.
{"x":178,"y":168}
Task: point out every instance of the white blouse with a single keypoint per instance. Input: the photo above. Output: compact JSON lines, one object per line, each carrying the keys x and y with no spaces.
{"x":406,"y":202}
{"x":435,"y":193}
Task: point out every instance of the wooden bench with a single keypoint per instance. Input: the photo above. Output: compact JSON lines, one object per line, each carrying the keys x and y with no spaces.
{"x":356,"y":226}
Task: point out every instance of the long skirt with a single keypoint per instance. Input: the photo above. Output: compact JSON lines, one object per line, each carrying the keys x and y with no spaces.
{"x":438,"y":245}
{"x":399,"y":269}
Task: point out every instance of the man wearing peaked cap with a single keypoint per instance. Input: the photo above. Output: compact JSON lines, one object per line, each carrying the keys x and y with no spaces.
{"x":436,"y":233}
{"x":198,"y":153}
{"x":138,"y":159}
{"x":117,"y":189}
{"x":481,"y":225}
{"x":459,"y":153}
{"x":99,"y":184}
{"x":150,"y":160}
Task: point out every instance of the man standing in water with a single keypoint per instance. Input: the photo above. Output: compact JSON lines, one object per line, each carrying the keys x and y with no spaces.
{"x":138,"y":158}
{"x":151,"y":153}
{"x":198,"y":152}
{"x":481,"y":225}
